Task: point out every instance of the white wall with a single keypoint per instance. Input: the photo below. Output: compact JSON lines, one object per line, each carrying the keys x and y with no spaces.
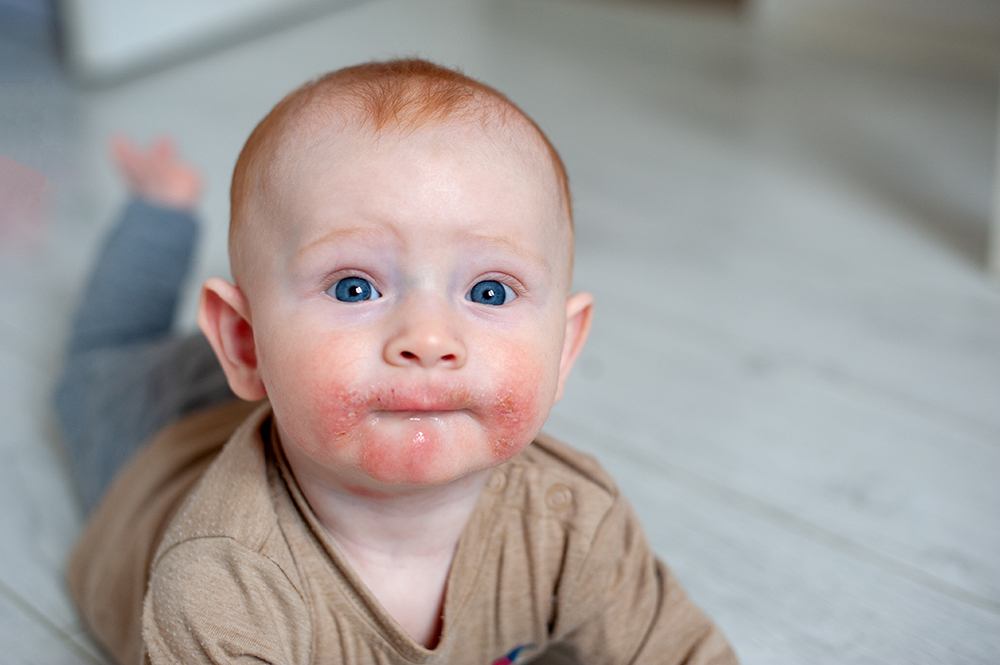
{"x":109,"y":39}
{"x":979,"y":14}
{"x":955,"y":34}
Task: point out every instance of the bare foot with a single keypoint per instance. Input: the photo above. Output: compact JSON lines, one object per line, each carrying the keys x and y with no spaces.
{"x":156,"y":174}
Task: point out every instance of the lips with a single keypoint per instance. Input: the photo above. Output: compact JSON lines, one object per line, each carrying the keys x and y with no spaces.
{"x":424,"y":401}
{"x":413,"y":414}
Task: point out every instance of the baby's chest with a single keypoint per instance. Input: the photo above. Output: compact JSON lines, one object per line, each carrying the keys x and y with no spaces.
{"x":492,"y":610}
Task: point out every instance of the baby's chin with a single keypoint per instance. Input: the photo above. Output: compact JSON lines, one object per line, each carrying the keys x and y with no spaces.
{"x":431,"y":448}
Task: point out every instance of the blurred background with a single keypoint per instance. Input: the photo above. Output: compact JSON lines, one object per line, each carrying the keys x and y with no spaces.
{"x":783,"y":208}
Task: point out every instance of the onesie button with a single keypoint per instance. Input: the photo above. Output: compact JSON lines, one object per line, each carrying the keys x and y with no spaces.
{"x":497,"y":481}
{"x":558,"y":497}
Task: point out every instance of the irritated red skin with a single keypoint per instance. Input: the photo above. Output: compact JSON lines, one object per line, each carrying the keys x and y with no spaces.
{"x":504,"y":421}
{"x":507,"y":418}
{"x":512,"y":411}
{"x":420,"y":435}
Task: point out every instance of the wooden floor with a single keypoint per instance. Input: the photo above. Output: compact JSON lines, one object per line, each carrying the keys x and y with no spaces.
{"x":795,"y":367}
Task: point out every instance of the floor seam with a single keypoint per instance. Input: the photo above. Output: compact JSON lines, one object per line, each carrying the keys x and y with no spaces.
{"x":18,"y":600}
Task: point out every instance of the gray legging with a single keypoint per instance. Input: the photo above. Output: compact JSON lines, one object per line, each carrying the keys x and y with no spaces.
{"x":127,"y":375}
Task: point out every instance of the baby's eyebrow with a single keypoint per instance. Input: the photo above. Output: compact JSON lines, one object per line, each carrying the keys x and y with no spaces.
{"x":507,"y":245}
{"x":501,"y":243}
{"x":341,"y":235}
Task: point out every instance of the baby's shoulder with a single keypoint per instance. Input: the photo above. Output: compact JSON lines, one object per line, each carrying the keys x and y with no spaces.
{"x":232,"y":502}
{"x":223,"y":573}
{"x":552,"y":458}
{"x":554,"y":479}
{"x":212,"y":595}
{"x":550,"y":452}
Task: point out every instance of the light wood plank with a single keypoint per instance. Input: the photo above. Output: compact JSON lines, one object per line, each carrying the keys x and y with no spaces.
{"x":782,"y":597}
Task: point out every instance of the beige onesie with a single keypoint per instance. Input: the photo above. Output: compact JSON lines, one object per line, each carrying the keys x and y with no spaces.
{"x":202,"y":556}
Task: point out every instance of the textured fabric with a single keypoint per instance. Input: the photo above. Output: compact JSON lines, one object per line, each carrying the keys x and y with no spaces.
{"x":126,"y":375}
{"x":135,"y":284}
{"x":109,"y":567}
{"x":552,"y":555}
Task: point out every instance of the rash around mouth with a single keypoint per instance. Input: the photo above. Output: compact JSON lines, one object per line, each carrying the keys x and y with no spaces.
{"x":419,"y":414}
{"x":423,"y":402}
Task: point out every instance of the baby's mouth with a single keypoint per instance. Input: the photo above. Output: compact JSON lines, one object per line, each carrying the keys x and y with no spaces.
{"x":419,"y":414}
{"x":419,"y":424}
{"x":423,"y":404}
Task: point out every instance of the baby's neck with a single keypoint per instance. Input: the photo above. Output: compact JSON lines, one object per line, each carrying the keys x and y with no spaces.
{"x":411,"y":522}
{"x":400,"y":541}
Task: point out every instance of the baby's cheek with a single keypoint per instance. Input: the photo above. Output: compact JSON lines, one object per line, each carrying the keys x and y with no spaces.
{"x":316,"y":406}
{"x":516,"y":415}
{"x":337,"y":409}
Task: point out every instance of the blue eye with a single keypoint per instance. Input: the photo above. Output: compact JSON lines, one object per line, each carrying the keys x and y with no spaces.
{"x":491,"y":292}
{"x":353,"y":289}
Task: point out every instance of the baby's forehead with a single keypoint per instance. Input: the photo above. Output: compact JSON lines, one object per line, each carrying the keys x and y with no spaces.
{"x":324,"y":159}
{"x":492,"y":139}
{"x":322,"y":154}
{"x":324,"y":163}
{"x":313,"y":141}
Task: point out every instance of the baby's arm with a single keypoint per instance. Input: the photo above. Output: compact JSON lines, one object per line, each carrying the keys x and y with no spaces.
{"x":626,"y":605}
{"x":213,"y":601}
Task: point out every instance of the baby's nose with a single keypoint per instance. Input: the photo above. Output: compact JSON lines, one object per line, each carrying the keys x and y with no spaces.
{"x":426,"y":341}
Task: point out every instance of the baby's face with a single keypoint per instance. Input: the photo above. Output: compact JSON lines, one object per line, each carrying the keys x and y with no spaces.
{"x":409,"y":313}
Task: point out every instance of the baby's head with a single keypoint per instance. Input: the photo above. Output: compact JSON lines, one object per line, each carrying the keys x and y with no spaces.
{"x":401,"y":242}
{"x":360,"y":107}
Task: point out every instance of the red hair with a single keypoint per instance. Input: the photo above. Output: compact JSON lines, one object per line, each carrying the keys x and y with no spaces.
{"x":399,"y":94}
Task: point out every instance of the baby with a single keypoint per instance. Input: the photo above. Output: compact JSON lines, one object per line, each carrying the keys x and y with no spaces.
{"x":399,"y":328}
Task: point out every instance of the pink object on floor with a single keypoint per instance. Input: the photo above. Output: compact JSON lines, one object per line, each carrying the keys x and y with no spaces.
{"x":22,"y":199}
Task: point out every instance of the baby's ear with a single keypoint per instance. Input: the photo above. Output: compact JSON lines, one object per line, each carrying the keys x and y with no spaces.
{"x":579,"y":313}
{"x":224,"y":317}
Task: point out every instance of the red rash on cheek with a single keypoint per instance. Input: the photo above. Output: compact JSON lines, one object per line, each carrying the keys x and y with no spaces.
{"x":323,"y":417}
{"x":381,"y":430}
{"x":514,"y":419}
{"x":340,"y":410}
